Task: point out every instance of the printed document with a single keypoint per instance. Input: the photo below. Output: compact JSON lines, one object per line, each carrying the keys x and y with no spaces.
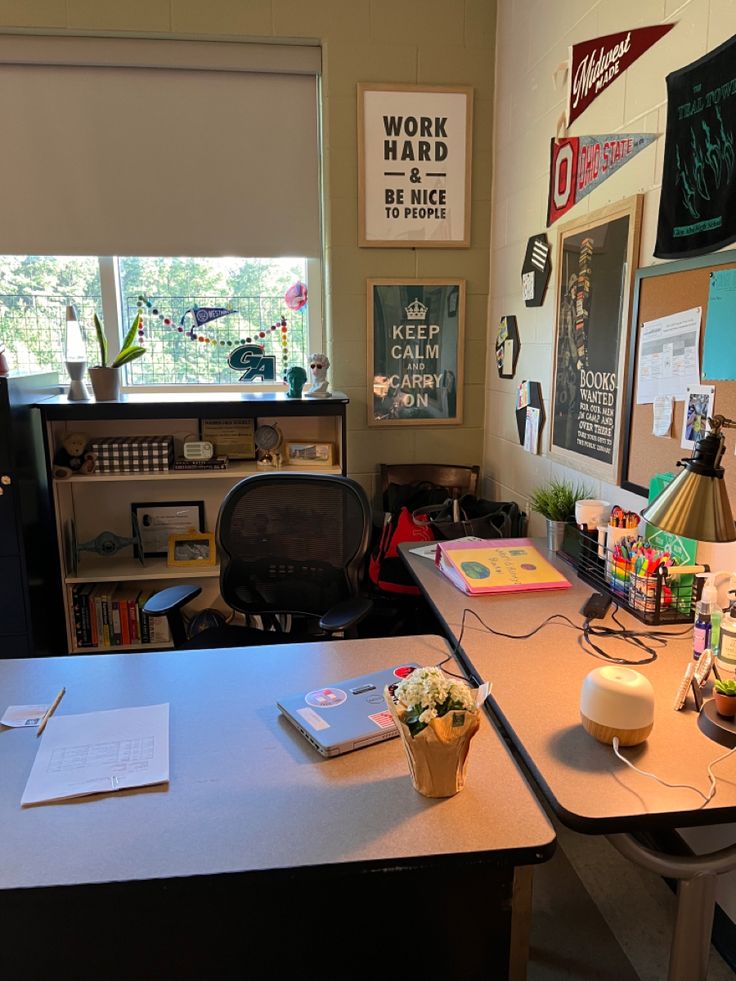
{"x":99,"y":752}
{"x":669,"y":356}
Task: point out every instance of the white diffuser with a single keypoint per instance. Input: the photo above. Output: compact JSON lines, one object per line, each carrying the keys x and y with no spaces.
{"x":617,"y":701}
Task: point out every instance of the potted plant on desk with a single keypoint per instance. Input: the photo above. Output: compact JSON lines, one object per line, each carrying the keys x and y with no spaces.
{"x":724,"y":693}
{"x":105,"y":378}
{"x":555,"y":500}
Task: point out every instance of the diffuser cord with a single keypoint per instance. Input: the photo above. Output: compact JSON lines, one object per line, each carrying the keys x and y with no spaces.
{"x":678,"y":786}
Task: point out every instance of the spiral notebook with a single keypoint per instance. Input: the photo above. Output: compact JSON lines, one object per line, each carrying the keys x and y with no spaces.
{"x":346,"y":715}
{"x":501,"y":565}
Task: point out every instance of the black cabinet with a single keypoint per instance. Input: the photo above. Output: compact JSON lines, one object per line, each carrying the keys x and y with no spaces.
{"x":31,"y":615}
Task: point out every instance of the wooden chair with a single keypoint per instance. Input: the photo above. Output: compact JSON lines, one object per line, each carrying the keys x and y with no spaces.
{"x":457,"y":480}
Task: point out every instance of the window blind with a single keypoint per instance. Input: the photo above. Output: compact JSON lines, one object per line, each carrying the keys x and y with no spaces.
{"x":118,"y":146}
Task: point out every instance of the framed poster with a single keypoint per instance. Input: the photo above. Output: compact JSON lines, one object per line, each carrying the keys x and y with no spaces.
{"x":414,"y":158}
{"x":415,"y":351}
{"x":596,"y":256}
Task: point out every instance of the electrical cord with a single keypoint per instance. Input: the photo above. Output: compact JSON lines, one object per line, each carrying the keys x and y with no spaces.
{"x":678,"y":786}
{"x":655,"y":638}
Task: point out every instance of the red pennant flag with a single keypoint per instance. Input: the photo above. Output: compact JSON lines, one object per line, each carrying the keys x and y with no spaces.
{"x":595,"y":64}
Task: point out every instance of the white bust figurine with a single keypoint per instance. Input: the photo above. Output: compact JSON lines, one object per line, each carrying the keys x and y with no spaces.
{"x":318,"y":365}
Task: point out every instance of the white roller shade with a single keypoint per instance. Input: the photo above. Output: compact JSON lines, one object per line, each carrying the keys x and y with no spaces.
{"x":122,"y":159}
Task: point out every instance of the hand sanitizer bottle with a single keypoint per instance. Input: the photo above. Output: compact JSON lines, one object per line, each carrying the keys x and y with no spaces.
{"x":710,"y":596}
{"x":727,"y":653}
{"x":701,"y":628}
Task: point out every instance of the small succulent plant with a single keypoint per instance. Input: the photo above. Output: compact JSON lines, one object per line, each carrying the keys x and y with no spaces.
{"x":725,"y":687}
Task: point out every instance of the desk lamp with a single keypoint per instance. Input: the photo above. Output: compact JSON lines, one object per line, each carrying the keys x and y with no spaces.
{"x":695,"y":505}
{"x":75,"y":354}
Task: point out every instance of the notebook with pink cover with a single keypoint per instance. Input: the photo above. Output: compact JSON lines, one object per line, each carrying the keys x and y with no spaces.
{"x":503,"y":565}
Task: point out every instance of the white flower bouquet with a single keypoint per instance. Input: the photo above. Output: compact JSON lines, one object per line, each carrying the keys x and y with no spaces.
{"x":437,"y":716}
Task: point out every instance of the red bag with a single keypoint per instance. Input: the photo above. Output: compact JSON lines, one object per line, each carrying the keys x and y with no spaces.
{"x":386,"y":569}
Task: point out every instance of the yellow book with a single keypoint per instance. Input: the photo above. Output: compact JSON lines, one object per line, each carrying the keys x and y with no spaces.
{"x":502,"y":565}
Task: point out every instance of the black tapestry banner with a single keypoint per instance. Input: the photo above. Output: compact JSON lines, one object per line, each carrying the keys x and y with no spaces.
{"x":697,"y":209}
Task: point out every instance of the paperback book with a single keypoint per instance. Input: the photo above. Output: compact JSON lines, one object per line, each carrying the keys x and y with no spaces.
{"x":502,"y":565}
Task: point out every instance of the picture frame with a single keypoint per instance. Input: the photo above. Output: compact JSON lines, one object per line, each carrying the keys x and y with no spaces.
{"x":156,"y":520}
{"x":305,"y":453}
{"x":596,"y":258}
{"x":414,"y":165}
{"x":189,"y":549}
{"x":233,"y":438}
{"x":416,"y":336}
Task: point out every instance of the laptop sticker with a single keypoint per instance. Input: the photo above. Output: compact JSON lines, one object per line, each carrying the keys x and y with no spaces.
{"x":404,"y":671}
{"x":312,"y":719}
{"x":383,"y":720}
{"x":325,"y":698}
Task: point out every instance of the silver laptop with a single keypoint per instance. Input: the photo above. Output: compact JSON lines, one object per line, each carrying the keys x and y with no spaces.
{"x":346,"y":715}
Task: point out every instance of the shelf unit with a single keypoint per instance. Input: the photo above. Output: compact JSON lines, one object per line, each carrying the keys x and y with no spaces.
{"x":102,"y":502}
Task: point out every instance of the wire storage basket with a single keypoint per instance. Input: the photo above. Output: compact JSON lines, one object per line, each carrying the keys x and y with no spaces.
{"x":655,"y":597}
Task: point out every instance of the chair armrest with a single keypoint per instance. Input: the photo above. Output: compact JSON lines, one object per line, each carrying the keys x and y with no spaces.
{"x":347,"y":614}
{"x":169,"y":600}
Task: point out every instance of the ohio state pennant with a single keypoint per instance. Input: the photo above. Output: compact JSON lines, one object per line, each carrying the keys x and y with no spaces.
{"x":578,"y":164}
{"x":596,"y":63}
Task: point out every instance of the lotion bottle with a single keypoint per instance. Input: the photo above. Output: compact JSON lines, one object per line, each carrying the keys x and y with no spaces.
{"x":727,"y":653}
{"x":701,"y":628}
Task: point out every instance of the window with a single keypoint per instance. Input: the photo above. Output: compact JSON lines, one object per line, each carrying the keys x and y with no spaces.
{"x":213,"y":348}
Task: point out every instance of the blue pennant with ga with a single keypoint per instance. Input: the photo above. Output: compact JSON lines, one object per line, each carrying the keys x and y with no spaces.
{"x":203,"y":315}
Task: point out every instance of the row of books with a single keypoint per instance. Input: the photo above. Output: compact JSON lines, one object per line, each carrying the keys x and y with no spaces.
{"x":111,"y":615}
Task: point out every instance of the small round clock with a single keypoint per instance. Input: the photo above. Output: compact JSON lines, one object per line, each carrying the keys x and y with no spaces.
{"x":268,"y":439}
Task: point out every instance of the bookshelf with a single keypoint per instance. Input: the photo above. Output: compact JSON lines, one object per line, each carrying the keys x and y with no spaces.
{"x":86,"y":505}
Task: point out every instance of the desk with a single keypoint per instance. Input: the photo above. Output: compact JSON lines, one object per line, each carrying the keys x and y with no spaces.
{"x":253,"y":812}
{"x":588,"y":788}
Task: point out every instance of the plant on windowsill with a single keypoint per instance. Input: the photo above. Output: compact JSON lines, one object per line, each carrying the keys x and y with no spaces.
{"x":724,"y":693}
{"x":105,"y":378}
{"x":555,"y":500}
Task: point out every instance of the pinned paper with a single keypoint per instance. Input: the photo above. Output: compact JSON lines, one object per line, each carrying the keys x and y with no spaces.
{"x":698,"y":407}
{"x":662,"y":418}
{"x":531,"y":432}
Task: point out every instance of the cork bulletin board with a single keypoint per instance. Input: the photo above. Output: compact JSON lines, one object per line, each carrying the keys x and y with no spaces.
{"x":659,"y":291}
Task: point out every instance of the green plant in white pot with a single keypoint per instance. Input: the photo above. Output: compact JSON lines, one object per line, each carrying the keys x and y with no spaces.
{"x":555,"y":500}
{"x":105,"y":378}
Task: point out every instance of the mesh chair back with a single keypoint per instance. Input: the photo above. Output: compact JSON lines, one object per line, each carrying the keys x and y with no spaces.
{"x":292,"y":542}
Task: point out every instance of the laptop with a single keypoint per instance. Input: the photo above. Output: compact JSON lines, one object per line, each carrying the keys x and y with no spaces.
{"x":346,"y":715}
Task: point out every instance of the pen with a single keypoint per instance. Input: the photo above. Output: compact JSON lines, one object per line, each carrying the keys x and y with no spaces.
{"x":50,"y":711}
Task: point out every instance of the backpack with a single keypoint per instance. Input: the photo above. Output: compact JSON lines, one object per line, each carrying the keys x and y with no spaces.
{"x":386,"y":569}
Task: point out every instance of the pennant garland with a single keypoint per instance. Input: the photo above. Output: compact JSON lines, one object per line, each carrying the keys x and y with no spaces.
{"x":596,"y":63}
{"x":203,"y":315}
{"x":579,"y":164}
{"x":280,"y":326}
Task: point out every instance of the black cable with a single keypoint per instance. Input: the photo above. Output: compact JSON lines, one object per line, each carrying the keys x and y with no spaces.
{"x":646,"y":640}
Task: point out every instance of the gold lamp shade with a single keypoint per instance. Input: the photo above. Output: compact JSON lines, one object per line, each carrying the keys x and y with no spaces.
{"x":695,"y":505}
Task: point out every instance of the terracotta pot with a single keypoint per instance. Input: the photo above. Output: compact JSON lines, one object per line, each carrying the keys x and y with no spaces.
{"x":105,"y":383}
{"x":725,"y":704}
{"x":438,"y":756}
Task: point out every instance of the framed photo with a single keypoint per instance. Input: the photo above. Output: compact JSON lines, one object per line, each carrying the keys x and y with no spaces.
{"x":415,"y":351}
{"x":191,"y":549}
{"x":414,"y":157}
{"x":159,"y":519}
{"x":596,"y":258}
{"x":232,"y":438}
{"x":305,"y":454}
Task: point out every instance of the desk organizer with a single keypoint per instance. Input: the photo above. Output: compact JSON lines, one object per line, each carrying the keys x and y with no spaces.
{"x":654,"y":599}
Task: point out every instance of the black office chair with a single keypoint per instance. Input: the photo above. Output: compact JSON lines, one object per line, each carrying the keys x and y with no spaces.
{"x":289,"y":545}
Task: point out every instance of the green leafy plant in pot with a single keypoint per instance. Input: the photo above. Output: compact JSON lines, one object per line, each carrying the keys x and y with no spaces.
{"x":105,"y":378}
{"x":555,"y":500}
{"x":724,"y":692}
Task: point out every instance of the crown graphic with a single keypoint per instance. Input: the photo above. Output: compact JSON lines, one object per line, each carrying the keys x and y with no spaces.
{"x":416,"y":310}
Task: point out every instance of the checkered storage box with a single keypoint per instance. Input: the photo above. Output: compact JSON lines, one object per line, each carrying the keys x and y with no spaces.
{"x":136,"y":454}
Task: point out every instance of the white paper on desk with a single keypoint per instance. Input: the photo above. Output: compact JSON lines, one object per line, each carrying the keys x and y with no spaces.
{"x":20,"y":716}
{"x":669,"y":357}
{"x":429,"y":551}
{"x":100,"y":751}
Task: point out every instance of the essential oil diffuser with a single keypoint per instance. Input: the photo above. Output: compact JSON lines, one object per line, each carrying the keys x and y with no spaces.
{"x":617,"y":701}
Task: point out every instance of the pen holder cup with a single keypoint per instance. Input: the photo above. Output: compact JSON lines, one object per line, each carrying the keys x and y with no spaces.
{"x":616,"y":569}
{"x":643,"y":593}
